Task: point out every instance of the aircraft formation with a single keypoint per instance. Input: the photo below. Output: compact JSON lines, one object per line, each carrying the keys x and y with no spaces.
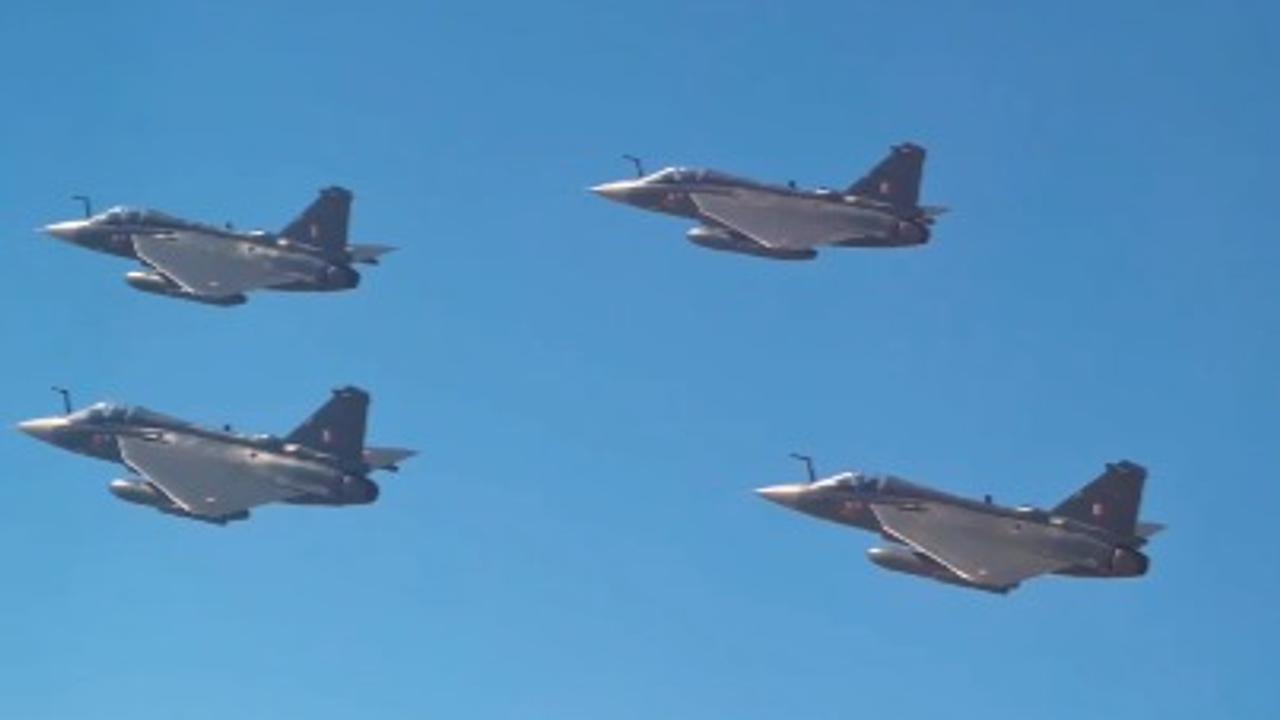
{"x":218,"y":476}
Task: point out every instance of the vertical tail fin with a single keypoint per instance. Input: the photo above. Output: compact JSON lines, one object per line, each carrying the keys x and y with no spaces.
{"x":895,"y":180}
{"x":1111,"y":501}
{"x":338,"y":426}
{"x":323,"y":224}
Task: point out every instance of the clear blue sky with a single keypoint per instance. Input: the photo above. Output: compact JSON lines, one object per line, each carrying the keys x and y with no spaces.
{"x":595,"y":398}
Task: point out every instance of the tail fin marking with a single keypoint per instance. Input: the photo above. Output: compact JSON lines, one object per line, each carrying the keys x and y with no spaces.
{"x":1111,"y":501}
{"x":338,"y":427}
{"x":323,"y":224}
{"x":895,"y":180}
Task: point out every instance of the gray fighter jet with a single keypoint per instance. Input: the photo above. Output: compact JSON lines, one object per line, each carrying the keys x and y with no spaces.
{"x":788,"y":223}
{"x":217,"y":266}
{"x":217,"y":476}
{"x":978,"y":544}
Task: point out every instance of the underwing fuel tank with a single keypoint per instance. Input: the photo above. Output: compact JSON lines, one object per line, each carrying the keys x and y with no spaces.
{"x":139,"y":492}
{"x":718,"y":239}
{"x":157,"y":284}
{"x":903,"y":560}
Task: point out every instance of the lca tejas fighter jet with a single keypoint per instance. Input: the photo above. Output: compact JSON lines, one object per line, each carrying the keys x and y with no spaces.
{"x":977,"y":544}
{"x":218,"y":266}
{"x":788,"y":223}
{"x":217,"y":476}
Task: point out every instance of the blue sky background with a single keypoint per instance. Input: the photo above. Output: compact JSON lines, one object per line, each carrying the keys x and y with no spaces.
{"x":595,"y":398}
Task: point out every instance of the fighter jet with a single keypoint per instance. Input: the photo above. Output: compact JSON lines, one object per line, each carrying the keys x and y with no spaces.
{"x":217,"y":266}
{"x":978,"y":544}
{"x":788,"y":223}
{"x":217,"y":476}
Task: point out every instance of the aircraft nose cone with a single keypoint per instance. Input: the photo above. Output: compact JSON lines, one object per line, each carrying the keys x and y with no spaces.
{"x":618,"y":191}
{"x":785,"y":495}
{"x":43,"y":428}
{"x":63,"y":230}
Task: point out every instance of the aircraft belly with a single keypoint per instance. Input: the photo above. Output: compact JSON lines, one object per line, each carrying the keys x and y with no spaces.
{"x":1086,"y":552}
{"x":281,"y":263}
{"x":305,"y":265}
{"x":1053,"y":544}
{"x":298,"y":475}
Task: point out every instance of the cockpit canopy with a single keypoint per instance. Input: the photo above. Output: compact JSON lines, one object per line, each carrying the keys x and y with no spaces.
{"x":853,"y":480}
{"x":680,"y":175}
{"x":113,"y":413}
{"x":121,"y":215}
{"x":100,"y":412}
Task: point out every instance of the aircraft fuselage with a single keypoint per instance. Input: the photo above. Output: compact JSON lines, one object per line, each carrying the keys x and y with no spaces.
{"x":674,"y":191}
{"x":849,"y":499}
{"x":316,"y":477}
{"x":114,"y":233}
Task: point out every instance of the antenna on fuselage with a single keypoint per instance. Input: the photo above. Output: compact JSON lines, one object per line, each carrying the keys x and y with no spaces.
{"x":86,"y":202}
{"x":808,"y":464}
{"x":637,"y":162}
{"x":66,"y":398}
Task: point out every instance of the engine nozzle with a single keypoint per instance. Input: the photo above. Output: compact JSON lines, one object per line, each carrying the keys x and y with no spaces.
{"x":359,"y":491}
{"x":1127,"y":562}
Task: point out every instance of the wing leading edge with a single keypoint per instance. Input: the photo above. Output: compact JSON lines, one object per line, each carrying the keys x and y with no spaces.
{"x":207,"y":479}
{"x":212,"y":267}
{"x":781,"y":222}
{"x":990,"y":551}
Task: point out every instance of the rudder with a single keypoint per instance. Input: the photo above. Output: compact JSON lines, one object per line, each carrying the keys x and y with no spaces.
{"x":338,"y":427}
{"x":896,"y":179}
{"x":1111,"y":501}
{"x":324,"y":223}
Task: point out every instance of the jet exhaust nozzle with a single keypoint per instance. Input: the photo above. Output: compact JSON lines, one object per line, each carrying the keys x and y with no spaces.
{"x":911,"y":232}
{"x":341,"y":277}
{"x":359,"y":491}
{"x":1127,"y":562}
